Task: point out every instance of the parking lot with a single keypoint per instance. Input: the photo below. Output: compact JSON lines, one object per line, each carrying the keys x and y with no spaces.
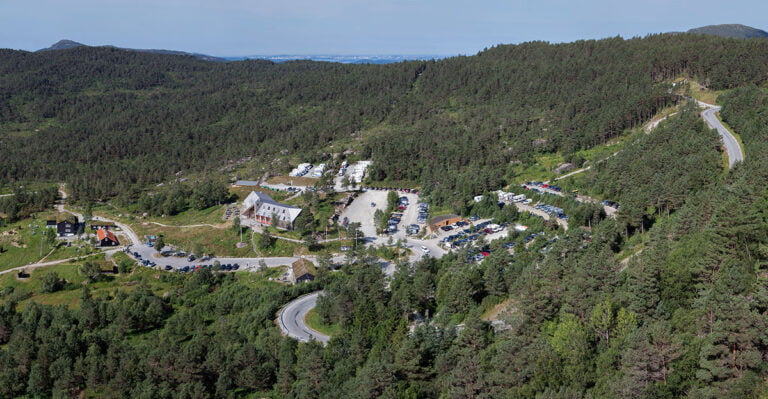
{"x":361,"y":211}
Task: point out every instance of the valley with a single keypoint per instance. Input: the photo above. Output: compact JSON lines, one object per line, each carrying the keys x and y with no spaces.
{"x":572,"y":220}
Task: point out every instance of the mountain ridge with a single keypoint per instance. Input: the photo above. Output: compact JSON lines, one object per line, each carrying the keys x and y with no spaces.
{"x":66,"y":44}
{"x":736,"y":31}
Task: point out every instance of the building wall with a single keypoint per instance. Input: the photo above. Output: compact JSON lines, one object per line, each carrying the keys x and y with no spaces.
{"x":305,"y":277}
{"x":446,"y":222}
{"x":108,"y":243}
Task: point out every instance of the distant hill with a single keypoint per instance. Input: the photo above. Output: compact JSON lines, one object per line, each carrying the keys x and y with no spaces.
{"x":730,"y":30}
{"x":62,"y":45}
{"x":68,"y":44}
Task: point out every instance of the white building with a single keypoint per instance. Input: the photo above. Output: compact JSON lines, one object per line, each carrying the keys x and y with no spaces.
{"x":259,"y":208}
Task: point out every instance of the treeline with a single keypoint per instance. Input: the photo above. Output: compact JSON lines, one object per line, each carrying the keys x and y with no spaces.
{"x":470,"y":120}
{"x":23,"y":202}
{"x":180,"y":197}
{"x":113,"y":122}
{"x":213,"y":337}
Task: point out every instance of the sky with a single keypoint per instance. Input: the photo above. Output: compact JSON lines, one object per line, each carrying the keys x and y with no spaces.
{"x":346,"y":27}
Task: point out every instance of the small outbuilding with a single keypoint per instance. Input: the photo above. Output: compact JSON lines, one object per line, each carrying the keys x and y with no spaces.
{"x":444,"y":220}
{"x":245,"y":183}
{"x":302,"y":270}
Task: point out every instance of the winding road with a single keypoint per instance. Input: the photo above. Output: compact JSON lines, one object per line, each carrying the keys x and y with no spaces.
{"x":291,"y":319}
{"x":732,"y":147}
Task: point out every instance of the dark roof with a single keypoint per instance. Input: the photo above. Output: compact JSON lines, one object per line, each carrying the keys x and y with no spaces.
{"x":438,"y":219}
{"x":302,"y":267}
{"x":246,"y":183}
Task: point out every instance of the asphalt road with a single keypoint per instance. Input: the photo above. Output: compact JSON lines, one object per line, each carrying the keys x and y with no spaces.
{"x":149,"y":253}
{"x":291,"y":319}
{"x":732,"y":146}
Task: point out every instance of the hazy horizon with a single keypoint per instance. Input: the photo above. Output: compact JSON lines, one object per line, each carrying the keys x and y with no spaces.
{"x":243,"y":28}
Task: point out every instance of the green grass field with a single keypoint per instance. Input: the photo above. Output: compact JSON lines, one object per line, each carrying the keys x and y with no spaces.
{"x":28,"y":289}
{"x":313,"y":321}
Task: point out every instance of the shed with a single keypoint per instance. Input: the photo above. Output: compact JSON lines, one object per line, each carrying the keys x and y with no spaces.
{"x":444,"y":220}
{"x":302,"y":270}
{"x":245,"y":183}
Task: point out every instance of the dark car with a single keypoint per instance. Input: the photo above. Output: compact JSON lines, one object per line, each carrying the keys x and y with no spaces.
{"x":168,"y":267}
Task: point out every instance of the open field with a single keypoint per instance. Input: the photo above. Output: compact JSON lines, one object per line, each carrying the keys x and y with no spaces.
{"x":212,"y":215}
{"x":211,"y":240}
{"x":28,"y":290}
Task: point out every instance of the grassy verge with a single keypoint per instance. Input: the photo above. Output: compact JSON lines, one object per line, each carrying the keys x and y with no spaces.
{"x":260,"y":279}
{"x":702,"y":93}
{"x":278,"y":248}
{"x":313,"y":321}
{"x":736,"y":135}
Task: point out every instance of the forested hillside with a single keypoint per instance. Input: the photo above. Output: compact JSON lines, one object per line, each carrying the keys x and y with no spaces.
{"x":683,"y":317}
{"x":657,"y":174}
{"x":668,"y":300}
{"x":109,"y":122}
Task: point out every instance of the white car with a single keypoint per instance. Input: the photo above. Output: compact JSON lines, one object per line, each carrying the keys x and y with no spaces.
{"x":425,"y":249}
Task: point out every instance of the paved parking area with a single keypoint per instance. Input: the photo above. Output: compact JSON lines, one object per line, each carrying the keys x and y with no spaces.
{"x":178,"y":262}
{"x":361,"y":211}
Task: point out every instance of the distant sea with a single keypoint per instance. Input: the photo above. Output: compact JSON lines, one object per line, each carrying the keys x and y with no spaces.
{"x":344,"y":59}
